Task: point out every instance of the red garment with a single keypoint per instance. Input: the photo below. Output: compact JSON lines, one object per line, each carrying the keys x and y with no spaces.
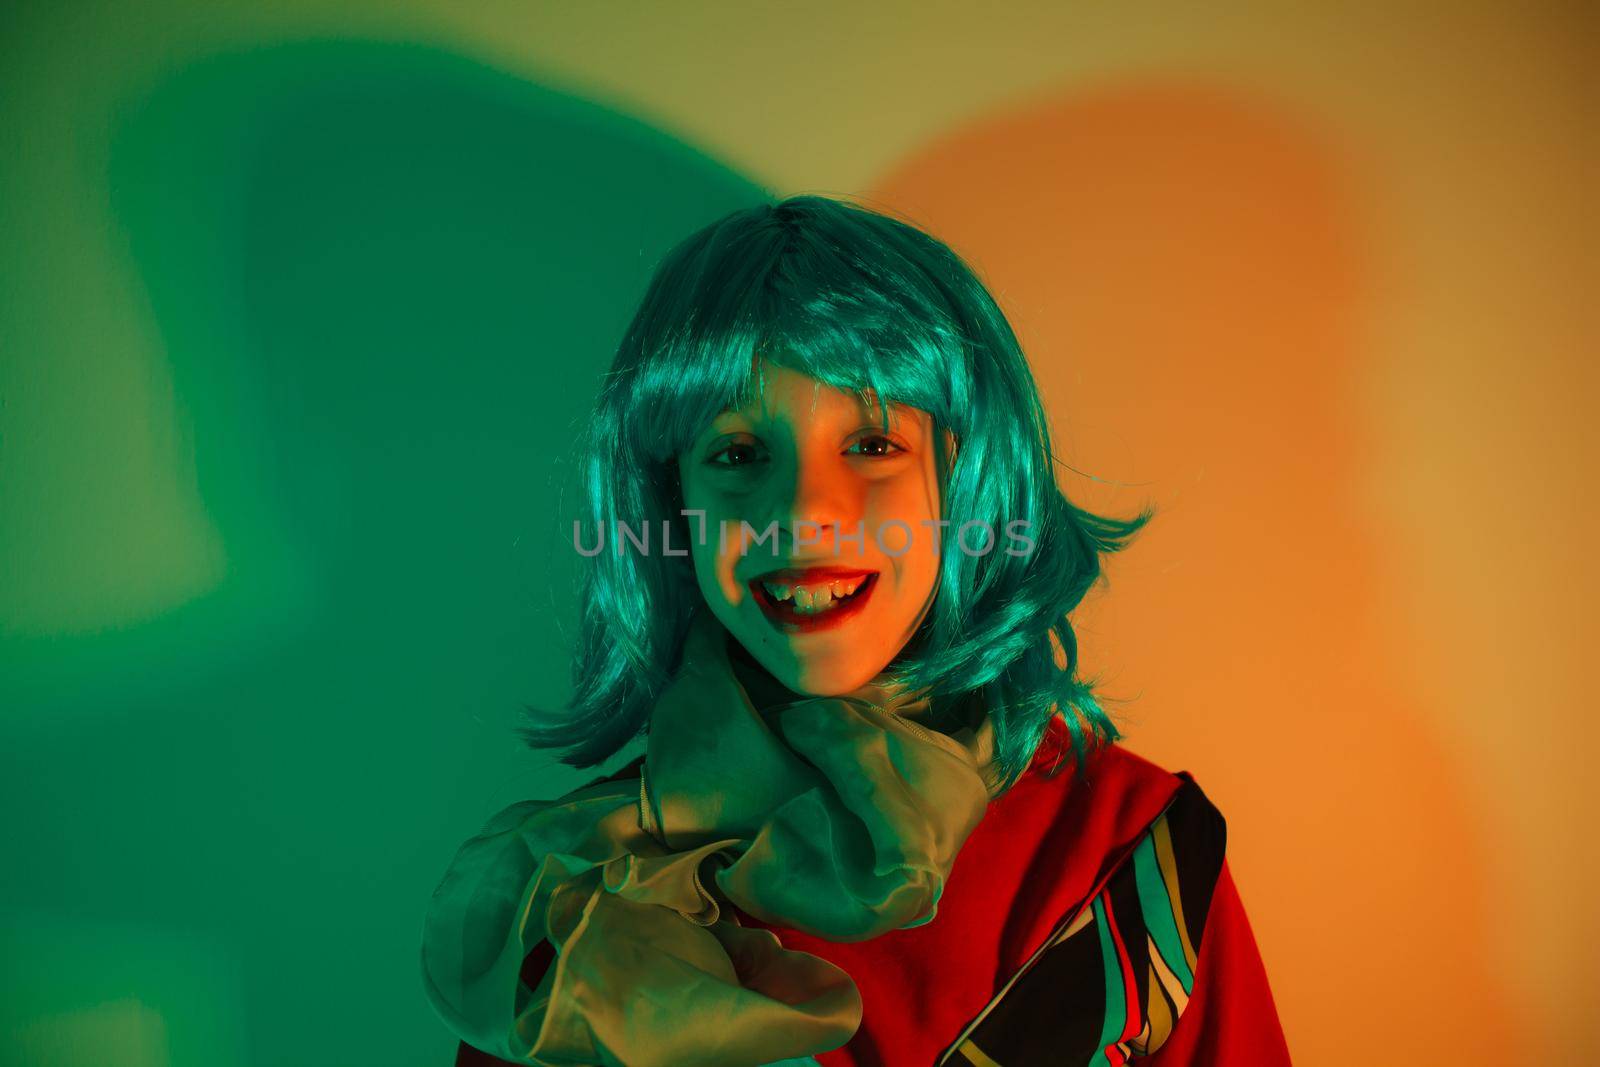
{"x":1034,"y":859}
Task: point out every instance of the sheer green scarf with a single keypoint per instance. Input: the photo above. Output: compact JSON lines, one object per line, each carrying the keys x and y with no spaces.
{"x":840,"y":816}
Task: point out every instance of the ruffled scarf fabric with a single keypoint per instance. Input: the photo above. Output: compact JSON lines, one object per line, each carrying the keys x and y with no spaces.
{"x":838,"y":816}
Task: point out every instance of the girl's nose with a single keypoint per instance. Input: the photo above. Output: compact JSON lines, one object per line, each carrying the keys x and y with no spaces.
{"x":818,"y":507}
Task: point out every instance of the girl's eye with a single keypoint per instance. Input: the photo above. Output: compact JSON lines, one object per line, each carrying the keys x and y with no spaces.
{"x":738,"y":454}
{"x":875,"y":445}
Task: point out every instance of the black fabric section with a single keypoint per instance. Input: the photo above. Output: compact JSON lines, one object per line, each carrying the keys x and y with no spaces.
{"x":1053,"y":1015}
{"x":467,"y":1056}
{"x":539,"y":960}
{"x":1199,"y":842}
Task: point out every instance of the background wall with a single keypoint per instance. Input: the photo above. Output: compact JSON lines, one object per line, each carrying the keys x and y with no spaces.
{"x":300,"y":304}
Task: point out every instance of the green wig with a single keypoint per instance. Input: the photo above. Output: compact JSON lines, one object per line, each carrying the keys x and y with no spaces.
{"x":870,"y":304}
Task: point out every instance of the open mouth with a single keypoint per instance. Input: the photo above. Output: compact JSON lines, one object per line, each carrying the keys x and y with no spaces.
{"x":805,"y":599}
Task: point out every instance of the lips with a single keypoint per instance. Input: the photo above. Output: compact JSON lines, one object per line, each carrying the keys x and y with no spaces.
{"x":808,"y":599}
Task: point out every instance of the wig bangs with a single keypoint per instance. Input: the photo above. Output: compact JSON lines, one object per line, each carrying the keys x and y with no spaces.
{"x":862,"y":341}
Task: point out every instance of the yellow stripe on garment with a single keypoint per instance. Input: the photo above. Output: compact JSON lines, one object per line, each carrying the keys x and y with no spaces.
{"x":976,"y":1055}
{"x":1159,"y":1017}
{"x":1169,"y":874}
{"x":1169,"y":981}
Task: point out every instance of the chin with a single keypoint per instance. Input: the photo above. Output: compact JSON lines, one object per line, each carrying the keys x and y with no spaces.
{"x":830,"y":680}
{"x":832,"y":665}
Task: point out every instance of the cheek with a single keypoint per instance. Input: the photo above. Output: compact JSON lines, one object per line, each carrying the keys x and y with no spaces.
{"x":716,"y":556}
{"x":916,"y":575}
{"x":917,"y":568}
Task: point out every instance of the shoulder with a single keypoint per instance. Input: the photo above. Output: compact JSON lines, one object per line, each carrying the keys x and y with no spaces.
{"x":1100,"y":805}
{"x":1115,"y":768}
{"x":1113,"y":777}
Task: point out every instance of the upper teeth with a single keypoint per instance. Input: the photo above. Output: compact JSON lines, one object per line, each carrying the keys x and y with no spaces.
{"x":814,"y":596}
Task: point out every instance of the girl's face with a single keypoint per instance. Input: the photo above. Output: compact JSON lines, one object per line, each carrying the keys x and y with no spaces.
{"x":820,"y":546}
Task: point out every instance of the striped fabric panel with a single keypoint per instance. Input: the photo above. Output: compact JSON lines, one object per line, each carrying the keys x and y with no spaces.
{"x":1110,"y":985}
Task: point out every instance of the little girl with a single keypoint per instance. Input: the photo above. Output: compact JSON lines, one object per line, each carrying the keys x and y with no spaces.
{"x":880,"y":819}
